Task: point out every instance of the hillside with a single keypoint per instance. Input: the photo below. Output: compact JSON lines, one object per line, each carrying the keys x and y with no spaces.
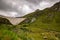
{"x":47,"y":20}
{"x":39,"y":25}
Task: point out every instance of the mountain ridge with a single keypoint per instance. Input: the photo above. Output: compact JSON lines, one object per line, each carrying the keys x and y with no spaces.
{"x":39,"y":25}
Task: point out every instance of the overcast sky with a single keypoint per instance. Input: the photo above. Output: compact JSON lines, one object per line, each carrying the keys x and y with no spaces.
{"x":18,"y":8}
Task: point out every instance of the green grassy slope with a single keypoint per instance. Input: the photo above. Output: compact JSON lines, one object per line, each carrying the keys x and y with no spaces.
{"x":47,"y":20}
{"x":39,"y":25}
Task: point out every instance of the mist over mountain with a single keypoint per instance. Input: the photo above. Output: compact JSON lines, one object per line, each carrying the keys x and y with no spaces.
{"x":18,"y":8}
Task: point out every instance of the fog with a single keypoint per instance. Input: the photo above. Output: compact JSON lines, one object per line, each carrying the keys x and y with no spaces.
{"x":19,"y":8}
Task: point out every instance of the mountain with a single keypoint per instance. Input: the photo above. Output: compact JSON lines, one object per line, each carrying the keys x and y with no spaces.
{"x":44,"y":23}
{"x":39,"y":25}
{"x":56,"y":7}
{"x":49,"y":16}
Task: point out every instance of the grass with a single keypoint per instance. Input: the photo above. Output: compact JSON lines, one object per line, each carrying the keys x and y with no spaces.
{"x":7,"y":35}
{"x":47,"y":22}
{"x":45,"y":27}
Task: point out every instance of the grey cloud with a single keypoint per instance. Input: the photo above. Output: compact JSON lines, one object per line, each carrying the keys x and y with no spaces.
{"x":18,"y":8}
{"x":34,"y":1}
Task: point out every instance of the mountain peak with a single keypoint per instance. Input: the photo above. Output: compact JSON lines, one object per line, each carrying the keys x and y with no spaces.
{"x":56,"y":6}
